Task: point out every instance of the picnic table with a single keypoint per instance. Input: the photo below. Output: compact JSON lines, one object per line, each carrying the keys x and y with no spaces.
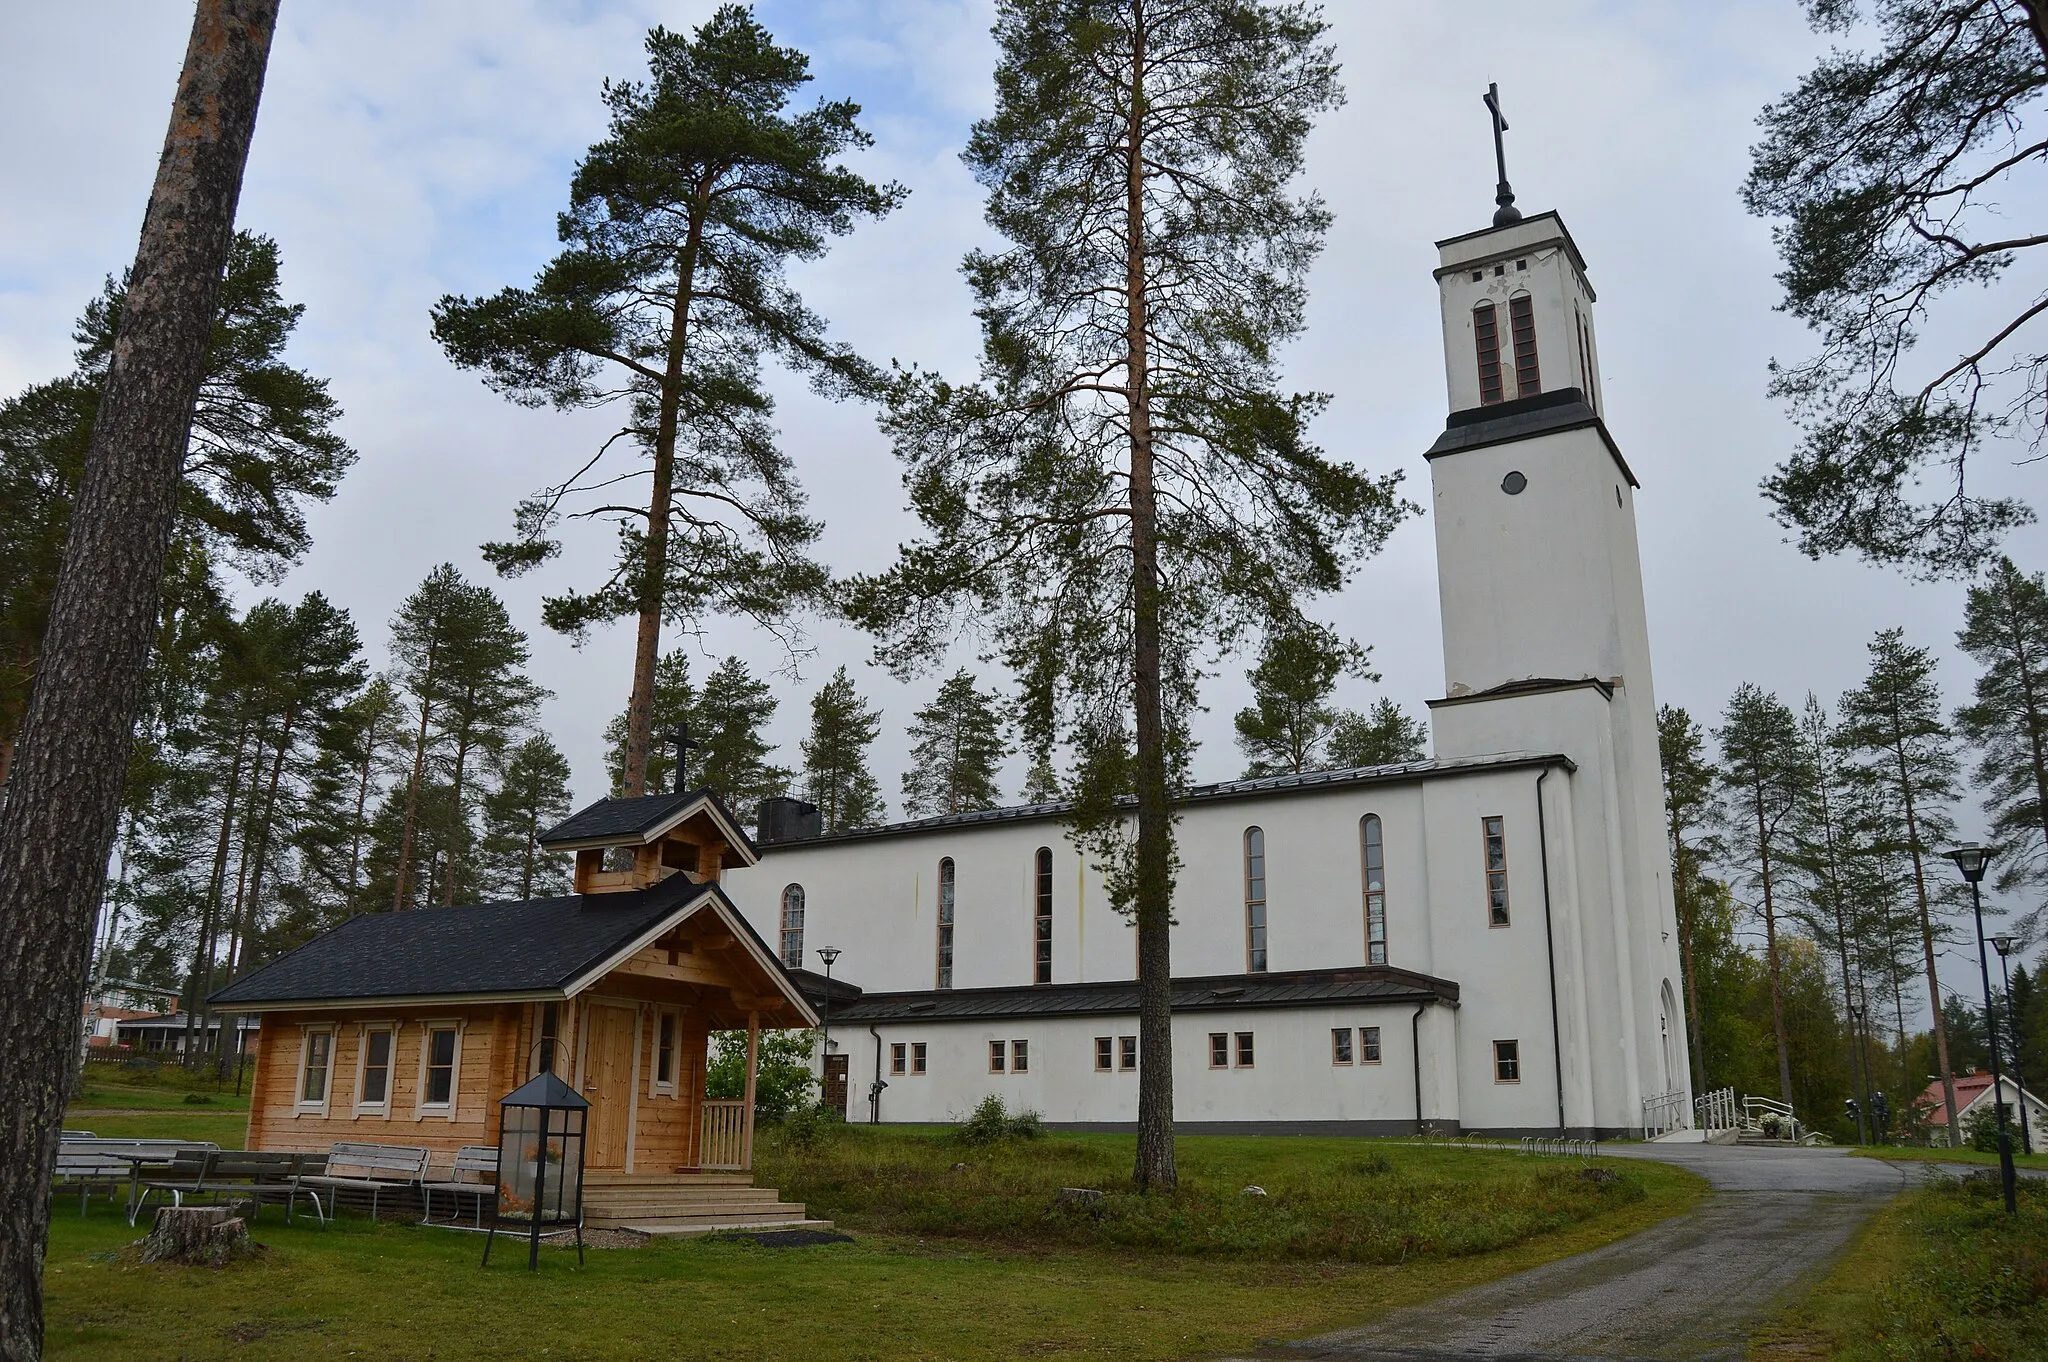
{"x":254,"y":1177}
{"x":92,"y":1162}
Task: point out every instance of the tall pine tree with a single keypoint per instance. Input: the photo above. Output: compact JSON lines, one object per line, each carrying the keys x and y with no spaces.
{"x":1894,"y":725}
{"x":2005,"y":629}
{"x":956,"y":750}
{"x":1128,"y":486}
{"x":670,"y":288}
{"x":1385,"y":735}
{"x":836,"y":776}
{"x":532,"y":796}
{"x":1689,"y":786}
{"x":1763,"y":777}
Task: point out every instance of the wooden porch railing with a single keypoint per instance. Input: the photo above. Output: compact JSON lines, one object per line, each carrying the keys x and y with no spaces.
{"x":725,"y":1134}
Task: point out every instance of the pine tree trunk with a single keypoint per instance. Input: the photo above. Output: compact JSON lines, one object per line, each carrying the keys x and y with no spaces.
{"x":1771,"y":953}
{"x":62,"y":803}
{"x":410,"y":829}
{"x":355,"y":836}
{"x":458,"y":831}
{"x":1687,"y":909}
{"x":654,"y":566}
{"x":1941,"y":1064}
{"x":1155,"y":1169}
{"x":216,"y":885}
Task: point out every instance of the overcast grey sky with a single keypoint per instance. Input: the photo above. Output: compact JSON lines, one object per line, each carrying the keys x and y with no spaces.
{"x":407,"y":150}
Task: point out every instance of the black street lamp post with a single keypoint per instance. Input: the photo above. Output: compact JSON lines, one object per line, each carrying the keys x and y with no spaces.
{"x":2005,"y":945}
{"x":828,"y":954}
{"x":1864,"y":1112}
{"x":1972,"y":860}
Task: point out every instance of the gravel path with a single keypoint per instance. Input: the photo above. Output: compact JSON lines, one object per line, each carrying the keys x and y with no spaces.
{"x":1690,"y":1288}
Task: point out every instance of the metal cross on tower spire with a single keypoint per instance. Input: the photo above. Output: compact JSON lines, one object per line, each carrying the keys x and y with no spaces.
{"x":1502,"y":195}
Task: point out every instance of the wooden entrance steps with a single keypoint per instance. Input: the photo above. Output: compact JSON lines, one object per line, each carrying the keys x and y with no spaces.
{"x":687,"y":1203}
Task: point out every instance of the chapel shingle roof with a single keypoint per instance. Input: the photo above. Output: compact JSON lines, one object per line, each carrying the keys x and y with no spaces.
{"x":530,"y":946}
{"x":1294,"y":988}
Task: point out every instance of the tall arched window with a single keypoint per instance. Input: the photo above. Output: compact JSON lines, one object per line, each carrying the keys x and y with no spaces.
{"x":1041,"y":918}
{"x":1255,"y":900}
{"x":1373,"y":850}
{"x":1486,"y":333}
{"x":1522,"y":322}
{"x":793,"y":926}
{"x":946,"y":923}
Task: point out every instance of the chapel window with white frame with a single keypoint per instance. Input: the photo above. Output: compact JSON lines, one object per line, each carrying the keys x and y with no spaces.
{"x":1255,"y":900}
{"x":946,"y":907}
{"x":1373,"y":855}
{"x":793,"y":926}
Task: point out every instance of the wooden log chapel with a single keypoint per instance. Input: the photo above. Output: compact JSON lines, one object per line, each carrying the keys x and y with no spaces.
{"x":406,"y":1028}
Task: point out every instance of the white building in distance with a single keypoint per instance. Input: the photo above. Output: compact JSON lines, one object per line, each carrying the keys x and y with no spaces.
{"x":1484,"y":941}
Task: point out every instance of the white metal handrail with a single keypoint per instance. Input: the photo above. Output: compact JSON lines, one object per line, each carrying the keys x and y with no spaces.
{"x":1663,"y":1113}
{"x":1718,"y":1110}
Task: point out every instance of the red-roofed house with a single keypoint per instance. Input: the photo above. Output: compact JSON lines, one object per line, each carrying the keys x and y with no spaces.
{"x":1973,"y":1093}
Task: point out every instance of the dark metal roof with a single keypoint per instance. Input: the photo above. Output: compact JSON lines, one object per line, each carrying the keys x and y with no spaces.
{"x":636,"y":819}
{"x":1398,"y":773}
{"x":1525,"y":418}
{"x":529,"y":946}
{"x":1296,"y":988}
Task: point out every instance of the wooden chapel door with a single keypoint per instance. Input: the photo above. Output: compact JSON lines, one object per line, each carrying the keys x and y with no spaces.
{"x":835,"y":1083}
{"x":608,"y":1083}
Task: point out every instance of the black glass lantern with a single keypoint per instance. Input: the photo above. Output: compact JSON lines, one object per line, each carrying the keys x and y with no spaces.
{"x":540,"y":1164}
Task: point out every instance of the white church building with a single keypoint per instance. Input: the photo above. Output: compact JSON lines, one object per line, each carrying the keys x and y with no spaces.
{"x":1484,"y":941}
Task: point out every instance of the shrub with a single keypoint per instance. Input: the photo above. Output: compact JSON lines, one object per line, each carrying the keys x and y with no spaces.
{"x":1980,"y":1129}
{"x":993,"y":1123}
{"x":783,"y":1081}
{"x":809,"y":1126}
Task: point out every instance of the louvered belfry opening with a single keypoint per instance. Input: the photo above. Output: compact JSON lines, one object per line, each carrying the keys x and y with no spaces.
{"x":1486,"y":333}
{"x":1522,"y":321}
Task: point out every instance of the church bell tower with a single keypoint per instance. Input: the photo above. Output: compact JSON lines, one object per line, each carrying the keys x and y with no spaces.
{"x":1546,"y":638}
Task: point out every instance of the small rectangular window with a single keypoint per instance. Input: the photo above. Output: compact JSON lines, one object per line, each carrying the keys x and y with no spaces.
{"x":376,"y":1086}
{"x":1219,"y":1049}
{"x":550,"y":1033}
{"x":1244,"y":1049}
{"x":899,"y":1058}
{"x":1127,"y":1052}
{"x":917,"y":1056}
{"x":1368,"y":1045}
{"x":1507,"y":1061}
{"x":439,"y":1088}
{"x":1105,"y":1054}
{"x":1494,"y":831}
{"x":1020,"y":1056}
{"x":665,"y":1052}
{"x":1486,"y":337}
{"x":1340,"y":1045}
{"x":319,"y":1058}
{"x":1522,"y":325}
{"x":997,"y":1057}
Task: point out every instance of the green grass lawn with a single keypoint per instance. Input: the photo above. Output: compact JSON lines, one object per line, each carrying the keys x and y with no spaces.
{"x":949,"y":1263}
{"x":160,"y":1087}
{"x":1941,"y":1273}
{"x":1915,"y":1154}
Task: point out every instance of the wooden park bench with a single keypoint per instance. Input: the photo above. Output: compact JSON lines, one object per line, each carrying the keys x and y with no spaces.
{"x":373,"y":1168}
{"x":236,"y":1175}
{"x":473,"y":1174}
{"x":93,"y":1164}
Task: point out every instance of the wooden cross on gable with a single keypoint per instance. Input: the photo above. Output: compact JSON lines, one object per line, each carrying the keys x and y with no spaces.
{"x":1504,"y":197}
{"x":681,"y":740}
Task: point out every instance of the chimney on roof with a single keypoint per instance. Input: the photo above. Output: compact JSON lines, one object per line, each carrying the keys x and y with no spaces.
{"x":782,"y":819}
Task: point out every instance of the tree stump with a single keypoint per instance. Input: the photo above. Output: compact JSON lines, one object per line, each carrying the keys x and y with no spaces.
{"x":198,"y":1236}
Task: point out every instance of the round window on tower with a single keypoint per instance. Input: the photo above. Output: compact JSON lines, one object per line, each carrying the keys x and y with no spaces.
{"x":1513,"y":483}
